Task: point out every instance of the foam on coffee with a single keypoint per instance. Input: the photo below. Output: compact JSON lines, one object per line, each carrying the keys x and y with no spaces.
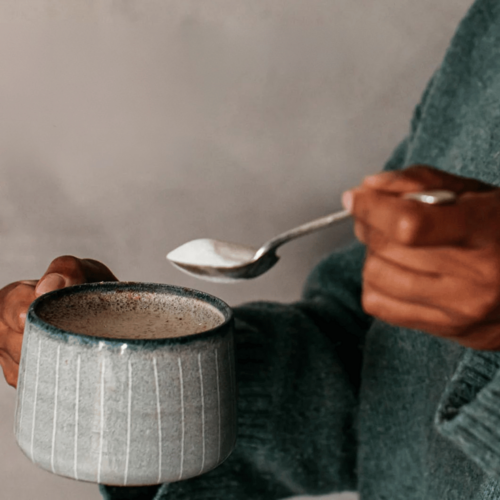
{"x":130,"y":315}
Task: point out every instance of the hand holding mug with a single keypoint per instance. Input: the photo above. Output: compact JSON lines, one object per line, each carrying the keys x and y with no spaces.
{"x":16,"y":298}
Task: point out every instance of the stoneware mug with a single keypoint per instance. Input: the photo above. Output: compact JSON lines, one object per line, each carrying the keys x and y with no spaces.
{"x":127,"y":383}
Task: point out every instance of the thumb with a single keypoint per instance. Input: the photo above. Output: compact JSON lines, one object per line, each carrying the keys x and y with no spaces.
{"x":68,"y":270}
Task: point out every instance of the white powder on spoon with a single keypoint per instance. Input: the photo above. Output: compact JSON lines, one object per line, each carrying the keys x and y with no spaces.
{"x":212,"y":253}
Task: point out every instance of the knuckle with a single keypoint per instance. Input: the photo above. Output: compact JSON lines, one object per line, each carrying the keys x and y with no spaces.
{"x":370,"y":273}
{"x":408,"y":227}
{"x":68,"y":265}
{"x":360,"y":232}
{"x":369,"y":302}
{"x":359,"y":203}
{"x":67,"y":261}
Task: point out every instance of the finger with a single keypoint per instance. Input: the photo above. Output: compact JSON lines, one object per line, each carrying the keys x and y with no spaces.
{"x":407,"y":221}
{"x":476,"y":265}
{"x":422,"y":178}
{"x":10,"y":369}
{"x":15,"y":304}
{"x":472,"y":220}
{"x":360,"y":231}
{"x":401,"y":283}
{"x":407,"y":315}
{"x":467,"y":303}
{"x":485,"y":337}
{"x":68,"y":270}
{"x":11,"y":342}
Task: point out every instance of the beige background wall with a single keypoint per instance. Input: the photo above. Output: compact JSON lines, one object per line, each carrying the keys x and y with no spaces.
{"x":128,"y":127}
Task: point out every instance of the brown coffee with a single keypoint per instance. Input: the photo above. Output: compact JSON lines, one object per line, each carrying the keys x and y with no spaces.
{"x":131,"y":315}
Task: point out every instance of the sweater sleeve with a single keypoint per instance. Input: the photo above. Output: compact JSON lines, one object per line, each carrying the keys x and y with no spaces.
{"x":469,"y":411}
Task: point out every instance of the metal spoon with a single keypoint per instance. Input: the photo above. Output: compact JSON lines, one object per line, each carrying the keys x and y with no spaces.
{"x":224,"y":262}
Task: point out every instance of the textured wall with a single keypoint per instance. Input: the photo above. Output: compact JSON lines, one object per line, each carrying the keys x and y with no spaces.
{"x":128,"y":127}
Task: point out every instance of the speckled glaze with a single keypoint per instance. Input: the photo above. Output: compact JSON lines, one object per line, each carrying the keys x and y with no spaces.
{"x":127,"y":411}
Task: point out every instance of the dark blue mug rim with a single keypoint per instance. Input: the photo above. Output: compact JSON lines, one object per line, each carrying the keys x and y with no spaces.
{"x":108,"y":287}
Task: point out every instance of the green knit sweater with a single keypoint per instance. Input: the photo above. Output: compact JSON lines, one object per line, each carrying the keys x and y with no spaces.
{"x":333,"y":400}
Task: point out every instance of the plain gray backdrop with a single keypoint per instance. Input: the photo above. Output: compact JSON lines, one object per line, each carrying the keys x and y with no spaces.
{"x":128,"y":127}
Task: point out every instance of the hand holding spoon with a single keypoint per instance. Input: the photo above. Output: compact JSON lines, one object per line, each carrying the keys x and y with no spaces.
{"x":224,"y":262}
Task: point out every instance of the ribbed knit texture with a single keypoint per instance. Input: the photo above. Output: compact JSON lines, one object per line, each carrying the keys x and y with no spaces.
{"x":332,"y":400}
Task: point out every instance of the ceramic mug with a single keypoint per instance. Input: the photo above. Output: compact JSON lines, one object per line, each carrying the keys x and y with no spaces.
{"x":119,"y":402}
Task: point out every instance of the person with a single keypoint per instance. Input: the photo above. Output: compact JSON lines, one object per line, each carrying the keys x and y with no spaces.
{"x":385,"y":377}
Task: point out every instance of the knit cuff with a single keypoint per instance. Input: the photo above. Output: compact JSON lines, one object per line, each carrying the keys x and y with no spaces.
{"x":469,"y":411}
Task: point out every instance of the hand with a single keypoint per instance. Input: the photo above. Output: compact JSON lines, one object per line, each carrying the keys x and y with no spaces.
{"x":17,"y":297}
{"x":431,"y":268}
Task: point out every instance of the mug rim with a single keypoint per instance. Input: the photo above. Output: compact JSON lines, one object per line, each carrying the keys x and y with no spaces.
{"x":32,"y":318}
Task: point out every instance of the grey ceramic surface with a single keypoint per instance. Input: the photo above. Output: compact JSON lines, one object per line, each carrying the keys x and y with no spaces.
{"x":126,"y":412}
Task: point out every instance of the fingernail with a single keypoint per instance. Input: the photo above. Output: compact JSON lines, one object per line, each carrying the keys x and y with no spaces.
{"x":347,"y":199}
{"x":49,"y":283}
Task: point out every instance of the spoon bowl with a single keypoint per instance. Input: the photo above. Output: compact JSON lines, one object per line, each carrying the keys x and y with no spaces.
{"x":220,"y":261}
{"x":229,"y":274}
{"x":224,"y":262}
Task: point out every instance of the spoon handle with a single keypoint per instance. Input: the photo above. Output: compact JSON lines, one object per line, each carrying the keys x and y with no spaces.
{"x":297,"y":232}
{"x":438,"y":197}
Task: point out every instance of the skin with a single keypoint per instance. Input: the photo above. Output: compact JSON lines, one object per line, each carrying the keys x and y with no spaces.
{"x":16,"y":298}
{"x":431,"y":268}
